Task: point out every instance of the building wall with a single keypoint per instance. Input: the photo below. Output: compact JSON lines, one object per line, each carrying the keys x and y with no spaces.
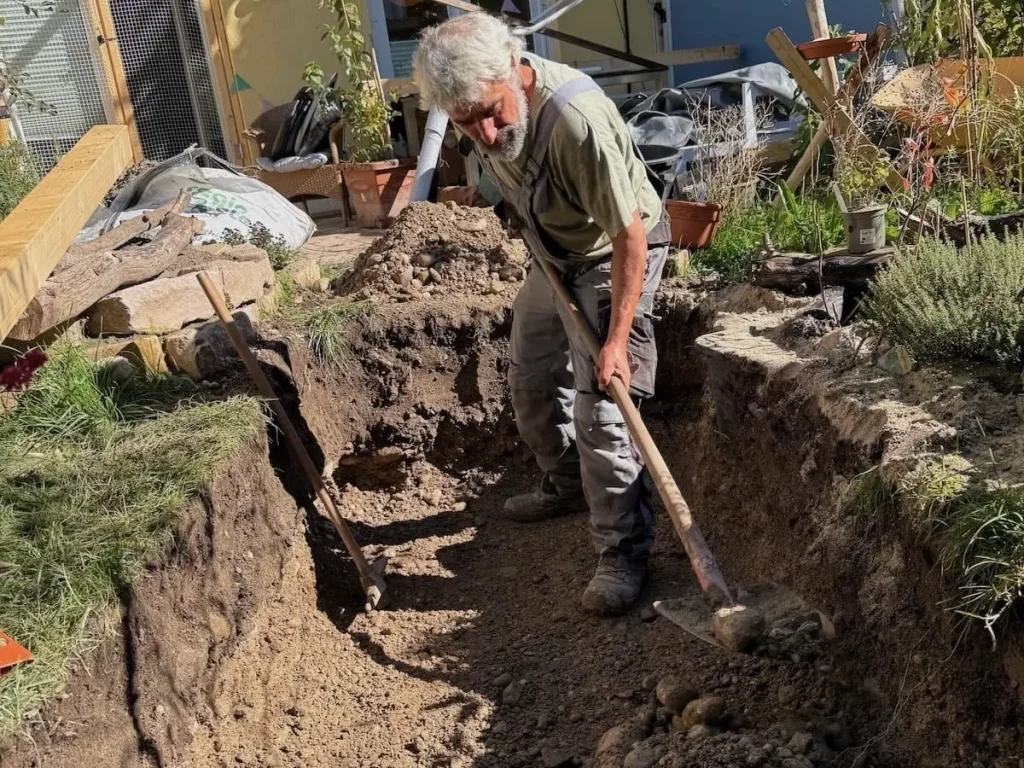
{"x":747,"y":22}
{"x":271,"y":41}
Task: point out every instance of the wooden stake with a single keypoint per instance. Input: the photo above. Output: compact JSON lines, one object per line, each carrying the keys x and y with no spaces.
{"x":820,"y":30}
{"x":825,"y":102}
{"x":231,"y":119}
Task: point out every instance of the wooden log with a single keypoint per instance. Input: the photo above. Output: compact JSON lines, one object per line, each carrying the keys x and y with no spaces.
{"x":839,"y":268}
{"x":80,"y":286}
{"x":38,"y":232}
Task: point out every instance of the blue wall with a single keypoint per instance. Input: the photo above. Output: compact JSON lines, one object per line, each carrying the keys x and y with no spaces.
{"x":697,"y":23}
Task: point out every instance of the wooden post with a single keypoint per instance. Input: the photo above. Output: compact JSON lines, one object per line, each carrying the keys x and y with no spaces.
{"x":819,"y":28}
{"x":232,"y":113}
{"x":868,"y":54}
{"x":113,"y":68}
{"x":824,"y":101}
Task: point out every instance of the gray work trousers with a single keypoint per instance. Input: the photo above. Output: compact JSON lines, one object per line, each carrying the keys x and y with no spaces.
{"x":575,"y":431}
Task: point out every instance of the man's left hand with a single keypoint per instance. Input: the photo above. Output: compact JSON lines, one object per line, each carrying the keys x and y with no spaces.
{"x":613,"y":361}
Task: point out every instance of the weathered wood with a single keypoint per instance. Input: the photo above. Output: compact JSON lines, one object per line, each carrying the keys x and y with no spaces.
{"x":38,"y":232}
{"x":87,"y":281}
{"x":853,"y":81}
{"x":819,"y":28}
{"x":121,"y":234}
{"x":794,"y":271}
{"x":825,"y":102}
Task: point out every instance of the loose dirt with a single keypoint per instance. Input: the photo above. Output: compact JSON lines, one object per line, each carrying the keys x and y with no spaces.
{"x":485,"y":658}
{"x":438,"y":249}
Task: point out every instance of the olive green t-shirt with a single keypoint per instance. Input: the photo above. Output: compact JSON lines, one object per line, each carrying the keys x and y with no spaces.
{"x":596,"y":178}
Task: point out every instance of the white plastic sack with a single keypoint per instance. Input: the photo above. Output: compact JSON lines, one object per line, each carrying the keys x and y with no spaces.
{"x":222,"y":198}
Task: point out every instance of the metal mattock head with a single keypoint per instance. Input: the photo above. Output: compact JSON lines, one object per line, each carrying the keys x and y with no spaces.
{"x":374,"y":586}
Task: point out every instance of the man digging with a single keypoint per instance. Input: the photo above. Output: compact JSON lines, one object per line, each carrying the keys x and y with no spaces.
{"x":576,"y":188}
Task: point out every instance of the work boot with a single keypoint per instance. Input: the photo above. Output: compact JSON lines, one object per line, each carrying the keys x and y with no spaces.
{"x":543,"y":504}
{"x":616,"y":585}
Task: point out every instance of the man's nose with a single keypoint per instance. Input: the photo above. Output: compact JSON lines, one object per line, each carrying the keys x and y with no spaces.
{"x":488,"y":131}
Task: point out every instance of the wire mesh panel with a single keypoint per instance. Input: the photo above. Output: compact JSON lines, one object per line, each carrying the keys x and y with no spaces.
{"x":168,"y":73}
{"x":57,"y":59}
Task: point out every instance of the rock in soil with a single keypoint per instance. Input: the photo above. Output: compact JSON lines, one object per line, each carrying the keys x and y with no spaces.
{"x":737,"y":627}
{"x":707,"y":711}
{"x":675,"y":694}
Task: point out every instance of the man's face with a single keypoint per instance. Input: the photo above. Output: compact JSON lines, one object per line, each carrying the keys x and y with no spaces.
{"x":499,"y":122}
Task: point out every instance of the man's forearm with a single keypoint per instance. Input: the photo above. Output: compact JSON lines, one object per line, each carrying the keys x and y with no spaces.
{"x":629,"y":265}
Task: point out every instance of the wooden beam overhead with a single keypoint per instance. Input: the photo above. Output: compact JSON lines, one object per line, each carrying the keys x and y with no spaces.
{"x":34,"y":237}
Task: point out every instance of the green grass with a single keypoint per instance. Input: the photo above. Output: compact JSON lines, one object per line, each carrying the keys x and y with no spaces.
{"x":18,"y":175}
{"x":280,"y":253}
{"x":975,"y":530}
{"x":949,"y":305}
{"x":806,"y":223}
{"x":94,"y":474}
{"x":325,"y":329}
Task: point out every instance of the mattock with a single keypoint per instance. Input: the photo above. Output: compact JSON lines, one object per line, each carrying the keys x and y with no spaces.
{"x":371,"y":575}
{"x":771,"y":601}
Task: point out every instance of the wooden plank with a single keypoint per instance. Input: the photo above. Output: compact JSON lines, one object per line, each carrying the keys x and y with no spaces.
{"x":216,"y":18}
{"x":233,"y":126}
{"x":38,"y":232}
{"x":696,"y":55}
{"x":824,"y":101}
{"x":113,"y":67}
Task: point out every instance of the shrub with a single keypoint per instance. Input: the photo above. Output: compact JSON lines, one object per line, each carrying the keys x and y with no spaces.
{"x":946,"y":305}
{"x":18,"y":175}
{"x":280,"y":253}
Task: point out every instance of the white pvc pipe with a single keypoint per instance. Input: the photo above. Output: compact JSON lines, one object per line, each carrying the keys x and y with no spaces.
{"x":430,"y":152}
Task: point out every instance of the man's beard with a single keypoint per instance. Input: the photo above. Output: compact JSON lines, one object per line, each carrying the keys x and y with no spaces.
{"x":512,"y":138}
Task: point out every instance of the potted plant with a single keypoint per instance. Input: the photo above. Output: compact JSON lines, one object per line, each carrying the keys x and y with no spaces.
{"x":860,"y":171}
{"x":378,"y":184}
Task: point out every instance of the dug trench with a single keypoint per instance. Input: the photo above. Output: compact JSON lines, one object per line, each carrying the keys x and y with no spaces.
{"x":250,"y":648}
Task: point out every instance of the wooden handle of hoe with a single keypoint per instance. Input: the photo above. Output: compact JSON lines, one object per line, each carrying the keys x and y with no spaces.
{"x":702,"y":561}
{"x":366,"y":575}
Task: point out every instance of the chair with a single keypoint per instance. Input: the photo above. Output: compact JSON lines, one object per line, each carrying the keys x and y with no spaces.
{"x":325,"y":181}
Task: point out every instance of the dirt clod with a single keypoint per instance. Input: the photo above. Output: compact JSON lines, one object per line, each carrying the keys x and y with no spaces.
{"x":675,"y":694}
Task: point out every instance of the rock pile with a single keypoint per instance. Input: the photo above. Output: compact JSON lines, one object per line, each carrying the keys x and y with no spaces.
{"x":433,"y":249}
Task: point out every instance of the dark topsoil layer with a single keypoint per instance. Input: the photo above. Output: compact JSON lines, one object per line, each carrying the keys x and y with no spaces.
{"x":484,"y":657}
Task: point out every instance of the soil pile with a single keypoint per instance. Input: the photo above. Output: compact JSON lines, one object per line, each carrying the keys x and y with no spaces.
{"x":436,"y":249}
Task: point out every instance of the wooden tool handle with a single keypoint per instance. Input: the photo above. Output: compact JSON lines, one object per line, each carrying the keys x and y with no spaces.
{"x":702,"y":561}
{"x":286,"y":426}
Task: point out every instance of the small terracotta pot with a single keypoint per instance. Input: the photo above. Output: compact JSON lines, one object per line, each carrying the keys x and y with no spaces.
{"x":378,"y":191}
{"x":831,"y":46}
{"x":693,"y":225}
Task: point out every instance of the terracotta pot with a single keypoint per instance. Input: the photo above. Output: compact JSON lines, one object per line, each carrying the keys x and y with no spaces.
{"x":378,"y":191}
{"x":693,"y":224}
{"x":831,"y":46}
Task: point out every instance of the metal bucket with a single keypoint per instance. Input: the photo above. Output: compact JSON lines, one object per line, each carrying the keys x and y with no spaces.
{"x":865,"y":229}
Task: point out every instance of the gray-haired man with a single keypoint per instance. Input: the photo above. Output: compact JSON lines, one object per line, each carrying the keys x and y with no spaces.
{"x":573,"y":183}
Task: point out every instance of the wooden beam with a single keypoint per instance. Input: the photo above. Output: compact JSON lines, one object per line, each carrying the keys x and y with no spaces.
{"x":213,"y":16}
{"x":824,"y":101}
{"x":853,"y":81}
{"x":113,"y":67}
{"x":38,"y":232}
{"x":234,"y":127}
{"x":820,"y":30}
{"x":696,"y":55}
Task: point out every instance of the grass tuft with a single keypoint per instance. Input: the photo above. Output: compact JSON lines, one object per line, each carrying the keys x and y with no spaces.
{"x":94,"y":474}
{"x":325,"y":329}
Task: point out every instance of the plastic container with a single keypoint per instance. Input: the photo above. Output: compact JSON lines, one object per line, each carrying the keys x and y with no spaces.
{"x":865,"y":229}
